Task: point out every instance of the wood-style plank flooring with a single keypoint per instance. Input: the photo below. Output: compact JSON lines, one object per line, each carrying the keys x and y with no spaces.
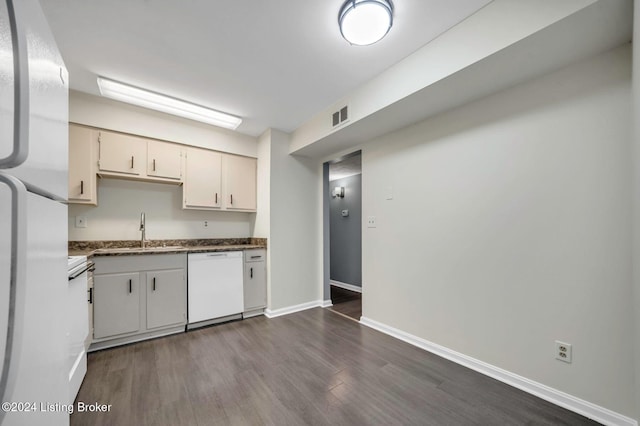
{"x":309,"y":368}
{"x":346,"y":302}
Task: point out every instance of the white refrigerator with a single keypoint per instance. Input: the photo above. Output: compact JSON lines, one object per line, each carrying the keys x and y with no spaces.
{"x":33,"y":219}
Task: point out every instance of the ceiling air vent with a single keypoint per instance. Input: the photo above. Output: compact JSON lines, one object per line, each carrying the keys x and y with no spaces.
{"x":340,"y":117}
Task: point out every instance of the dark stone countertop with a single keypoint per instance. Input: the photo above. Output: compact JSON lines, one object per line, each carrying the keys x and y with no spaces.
{"x":132,"y":247}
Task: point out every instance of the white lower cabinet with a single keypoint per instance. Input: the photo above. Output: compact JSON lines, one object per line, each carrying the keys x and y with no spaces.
{"x":137,"y":297}
{"x":255,"y":282}
{"x":116,"y":307}
{"x":164,"y":289}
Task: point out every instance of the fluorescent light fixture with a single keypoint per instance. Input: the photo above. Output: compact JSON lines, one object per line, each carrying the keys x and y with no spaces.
{"x":146,"y":99}
{"x":364,"y":22}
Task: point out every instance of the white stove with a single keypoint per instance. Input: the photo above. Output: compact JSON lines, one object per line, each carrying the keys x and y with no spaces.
{"x":77,"y":322}
{"x":74,"y":262}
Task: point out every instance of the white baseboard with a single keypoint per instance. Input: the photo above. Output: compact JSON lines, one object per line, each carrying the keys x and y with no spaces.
{"x":327,"y":303}
{"x":291,"y":309}
{"x":346,"y":286}
{"x":570,"y":402}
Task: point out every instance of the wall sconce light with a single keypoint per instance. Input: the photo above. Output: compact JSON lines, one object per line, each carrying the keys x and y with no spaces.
{"x":338,"y":191}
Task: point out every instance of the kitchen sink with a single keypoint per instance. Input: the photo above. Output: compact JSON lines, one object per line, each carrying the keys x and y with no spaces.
{"x":136,"y":249}
{"x":163,"y":248}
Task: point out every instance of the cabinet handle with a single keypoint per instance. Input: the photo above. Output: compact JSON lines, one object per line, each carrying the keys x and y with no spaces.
{"x":256,"y":257}
{"x":251,"y":272}
{"x":216,"y":198}
{"x":91,"y":296}
{"x":130,"y":290}
{"x":81,"y":187}
{"x":132,"y":161}
{"x":154,"y":283}
{"x":231,"y":199}
{"x":154,"y":164}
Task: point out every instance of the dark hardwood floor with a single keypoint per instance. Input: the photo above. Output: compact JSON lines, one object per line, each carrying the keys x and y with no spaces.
{"x":309,"y":368}
{"x":346,"y":302}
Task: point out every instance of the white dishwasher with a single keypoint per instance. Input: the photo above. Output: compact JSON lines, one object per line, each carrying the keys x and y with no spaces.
{"x":215,"y":290}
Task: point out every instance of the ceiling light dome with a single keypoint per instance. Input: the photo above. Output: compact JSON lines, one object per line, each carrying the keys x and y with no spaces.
{"x":364,"y":22}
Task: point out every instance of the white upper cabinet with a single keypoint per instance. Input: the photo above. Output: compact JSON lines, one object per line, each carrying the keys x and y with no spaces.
{"x":164,"y":160}
{"x":122,"y":154}
{"x":132,"y":157}
{"x":202,"y":183}
{"x":212,"y":180}
{"x":82,"y":165}
{"x":239,"y":182}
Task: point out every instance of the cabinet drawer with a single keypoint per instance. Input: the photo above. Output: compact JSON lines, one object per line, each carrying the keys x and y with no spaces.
{"x":259,"y":255}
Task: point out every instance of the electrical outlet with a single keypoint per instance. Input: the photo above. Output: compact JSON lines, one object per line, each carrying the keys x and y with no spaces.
{"x":206,"y":224}
{"x":563,"y":351}
{"x":81,"y":221}
{"x":371,"y":222}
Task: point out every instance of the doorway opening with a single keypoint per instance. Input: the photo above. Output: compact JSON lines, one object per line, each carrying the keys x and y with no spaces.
{"x":344,"y":210}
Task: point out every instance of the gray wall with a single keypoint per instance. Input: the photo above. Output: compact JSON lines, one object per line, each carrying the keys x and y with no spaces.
{"x":294,"y":220}
{"x":346,"y":232}
{"x":510,"y":224}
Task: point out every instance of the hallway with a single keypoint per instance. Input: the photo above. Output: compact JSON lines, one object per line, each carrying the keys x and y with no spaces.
{"x":346,"y":302}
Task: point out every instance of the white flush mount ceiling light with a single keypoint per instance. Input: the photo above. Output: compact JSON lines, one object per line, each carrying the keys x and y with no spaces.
{"x":146,"y":99}
{"x":364,"y":22}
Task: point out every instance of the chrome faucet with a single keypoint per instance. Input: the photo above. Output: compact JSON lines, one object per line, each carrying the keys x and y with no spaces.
{"x":142,"y":228}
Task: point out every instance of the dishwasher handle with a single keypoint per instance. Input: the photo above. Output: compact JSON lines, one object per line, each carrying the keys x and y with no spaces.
{"x":214,"y":255}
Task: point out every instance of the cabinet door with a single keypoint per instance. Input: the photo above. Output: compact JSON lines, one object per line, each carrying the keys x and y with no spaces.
{"x":202,"y":181}
{"x":164,"y":160}
{"x":255,"y":286}
{"x":116,"y":304}
{"x":240,"y":183}
{"x":166,"y":298}
{"x":122,"y":153}
{"x":82,"y":170}
{"x":90,"y":293}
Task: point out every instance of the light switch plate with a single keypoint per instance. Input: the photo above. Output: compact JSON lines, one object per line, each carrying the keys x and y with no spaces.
{"x":388,"y":192}
{"x":81,"y":221}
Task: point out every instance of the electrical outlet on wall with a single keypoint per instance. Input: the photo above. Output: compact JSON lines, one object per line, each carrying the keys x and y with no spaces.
{"x":81,"y":221}
{"x":371,"y":222}
{"x":563,"y":351}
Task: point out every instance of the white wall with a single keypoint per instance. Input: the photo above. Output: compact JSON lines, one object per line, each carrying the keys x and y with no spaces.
{"x":113,"y":115}
{"x":120,"y":203}
{"x":510,"y":227}
{"x":261,"y":220}
{"x":636,"y":194}
{"x":501,"y":23}
{"x":296,"y":274}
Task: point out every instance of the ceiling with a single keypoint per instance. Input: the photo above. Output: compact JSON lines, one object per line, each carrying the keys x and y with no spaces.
{"x":274,"y":63}
{"x":344,"y":167}
{"x":580,"y":31}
